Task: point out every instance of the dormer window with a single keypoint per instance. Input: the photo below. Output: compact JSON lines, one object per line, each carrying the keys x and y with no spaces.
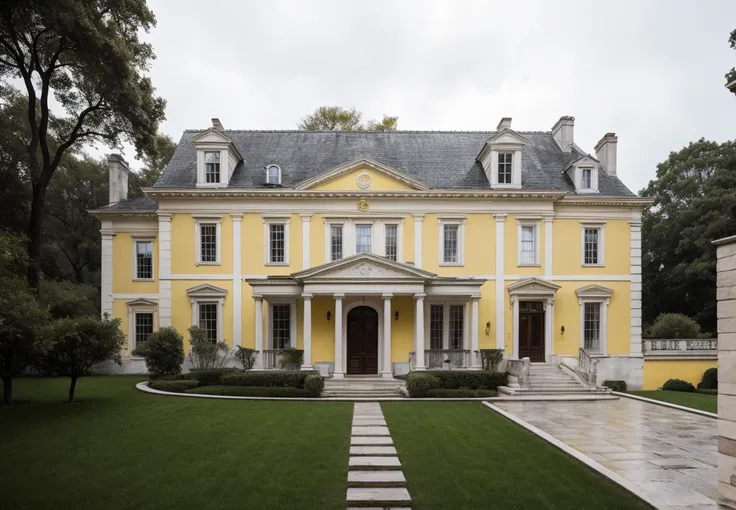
{"x":273,"y":175}
{"x":586,"y":178}
{"x":584,"y":174}
{"x":217,"y":157}
{"x":505,"y":166}
{"x":212,"y":167}
{"x":501,"y":157}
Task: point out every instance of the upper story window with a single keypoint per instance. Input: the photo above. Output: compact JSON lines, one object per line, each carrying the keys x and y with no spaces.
{"x":143,"y":260}
{"x":212,"y":167}
{"x":528,"y":244}
{"x":505,"y":167}
{"x":277,"y":243}
{"x":451,"y":242}
{"x":392,"y":241}
{"x":273,"y":174}
{"x":586,"y":178}
{"x":207,"y":232}
{"x":592,"y":245}
{"x":336,"y":242}
{"x":363,"y":238}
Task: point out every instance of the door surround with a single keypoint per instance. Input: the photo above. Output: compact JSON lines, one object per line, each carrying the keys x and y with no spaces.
{"x":530,"y":314}
{"x":358,"y":337}
{"x":534,"y":289}
{"x":375,"y":302}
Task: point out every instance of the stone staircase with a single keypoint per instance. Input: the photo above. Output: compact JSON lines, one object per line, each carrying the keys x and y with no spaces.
{"x":363,"y":387}
{"x":549,"y":379}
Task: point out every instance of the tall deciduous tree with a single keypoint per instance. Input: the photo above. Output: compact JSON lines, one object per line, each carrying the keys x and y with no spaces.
{"x":153,"y":166}
{"x":694,"y":203}
{"x":336,"y":118}
{"x":89,"y":57}
{"x":731,"y":75}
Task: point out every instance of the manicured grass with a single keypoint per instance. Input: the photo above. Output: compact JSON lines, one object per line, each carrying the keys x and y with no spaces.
{"x":119,"y":448}
{"x":464,"y":455}
{"x":695,"y":400}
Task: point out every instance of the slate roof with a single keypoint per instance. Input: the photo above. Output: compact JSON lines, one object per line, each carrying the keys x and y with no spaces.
{"x":139,"y":204}
{"x":440,"y":159}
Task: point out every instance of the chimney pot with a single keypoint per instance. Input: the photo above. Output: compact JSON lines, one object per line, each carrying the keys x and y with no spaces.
{"x":217,"y":124}
{"x":504,"y":124}
{"x":118,"y":178}
{"x":564,"y":132}
{"x":605,"y":151}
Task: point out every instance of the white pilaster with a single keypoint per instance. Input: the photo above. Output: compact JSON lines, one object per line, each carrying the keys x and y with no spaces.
{"x":604,"y":326}
{"x":106,"y":269}
{"x":582,"y":322}
{"x":419,"y":332}
{"x":307,"y":336}
{"x":548,"y":247}
{"x":635,"y":345}
{"x":549,"y":328}
{"x":500,"y":284}
{"x":164,"y":269}
{"x":259,"y":331}
{"x":387,"y":368}
{"x":306,"y":239}
{"x":418,"y":223}
{"x":338,"y":373}
{"x":475,"y":354}
{"x":237,"y":281}
{"x":515,"y":317}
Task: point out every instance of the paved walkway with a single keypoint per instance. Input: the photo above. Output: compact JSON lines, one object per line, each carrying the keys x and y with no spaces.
{"x":668,"y":453}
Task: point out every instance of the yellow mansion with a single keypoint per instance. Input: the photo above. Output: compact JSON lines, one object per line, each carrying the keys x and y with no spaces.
{"x":383,"y":252}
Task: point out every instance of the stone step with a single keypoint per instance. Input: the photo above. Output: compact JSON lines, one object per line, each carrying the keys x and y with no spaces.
{"x":363,"y":422}
{"x":370,"y":440}
{"x":373,"y":450}
{"x":370,"y":431}
{"x":364,"y":463}
{"x":376,"y":479}
{"x":390,"y":497}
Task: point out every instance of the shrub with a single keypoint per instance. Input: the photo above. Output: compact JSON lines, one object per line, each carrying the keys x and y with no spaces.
{"x":674,"y":325}
{"x":678,"y":385}
{"x":418,"y":384}
{"x":462,"y":393}
{"x":490,"y":358}
{"x":705,"y":391}
{"x":291,"y":358}
{"x":245,"y":356}
{"x":66,"y":299}
{"x":210,"y":376}
{"x":270,"y":378}
{"x":249,"y":391}
{"x":469,"y":379}
{"x":173,"y":386}
{"x":205,"y":354}
{"x":615,"y":385}
{"x":164,"y":352}
{"x":710,"y":380}
{"x":313,"y":385}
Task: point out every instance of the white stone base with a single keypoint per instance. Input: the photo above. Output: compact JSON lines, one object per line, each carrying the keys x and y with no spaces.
{"x":621,"y":368}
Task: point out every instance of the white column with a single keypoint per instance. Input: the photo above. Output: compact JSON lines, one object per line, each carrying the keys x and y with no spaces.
{"x":500,"y":310}
{"x":106,"y":269}
{"x":604,"y":326}
{"x":549,"y":328}
{"x":418,"y":222}
{"x":548,"y":247}
{"x":306,"y":238}
{"x":419,"y":332}
{"x":338,"y":373}
{"x":237,"y":281}
{"x":259,"y":331}
{"x":515,"y":317}
{"x":635,"y":342}
{"x":387,"y":368}
{"x":164,"y":270}
{"x":307,"y":323}
{"x":474,"y":355}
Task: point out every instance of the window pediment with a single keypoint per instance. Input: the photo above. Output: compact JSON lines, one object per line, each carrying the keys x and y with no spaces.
{"x":594,"y":292}
{"x":206,"y":290}
{"x":532,"y":286}
{"x":363,"y":266}
{"x":142,"y":303}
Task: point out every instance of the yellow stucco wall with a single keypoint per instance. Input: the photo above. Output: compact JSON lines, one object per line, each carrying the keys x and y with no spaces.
{"x":347,"y":181}
{"x":181,"y":307}
{"x":511,"y":248}
{"x":183,"y":246}
{"x":566,"y":243}
{"x":122,"y":259}
{"x":480,"y":246}
{"x":657,"y":372}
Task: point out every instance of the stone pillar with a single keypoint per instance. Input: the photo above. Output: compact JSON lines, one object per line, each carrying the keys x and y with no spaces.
{"x":549,"y":329}
{"x":418,"y":223}
{"x":387,"y":371}
{"x":475,"y":354}
{"x":237,"y":281}
{"x":548,"y":247}
{"x":338,"y":373}
{"x":106,"y":269}
{"x":306,"y":238}
{"x":259,"y":332}
{"x":164,"y":270}
{"x":419,"y":332}
{"x":500,"y":283}
{"x":307,"y":323}
{"x":515,"y":319}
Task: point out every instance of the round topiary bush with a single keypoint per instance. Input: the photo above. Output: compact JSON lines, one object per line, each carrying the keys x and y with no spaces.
{"x":710,"y":380}
{"x":418,"y":384}
{"x":313,"y":385}
{"x":674,"y":325}
{"x":164,"y":352}
{"x":678,"y":385}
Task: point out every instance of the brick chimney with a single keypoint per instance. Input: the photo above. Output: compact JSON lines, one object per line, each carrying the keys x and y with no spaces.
{"x":119,"y":171}
{"x":564,"y":132}
{"x":605,"y":151}
{"x":504,"y":124}
{"x":216,"y":124}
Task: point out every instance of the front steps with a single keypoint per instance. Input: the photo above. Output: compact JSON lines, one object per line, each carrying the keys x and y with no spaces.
{"x":548,"y":379}
{"x":374,"y":387}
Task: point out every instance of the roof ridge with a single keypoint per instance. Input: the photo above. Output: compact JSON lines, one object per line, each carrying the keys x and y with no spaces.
{"x":398,"y":131}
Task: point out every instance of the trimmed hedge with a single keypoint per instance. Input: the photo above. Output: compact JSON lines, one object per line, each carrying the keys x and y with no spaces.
{"x":469,"y":379}
{"x":615,"y":385}
{"x":706,"y":391}
{"x":418,"y":384}
{"x":249,"y":391}
{"x":173,"y":386}
{"x":274,"y":379}
{"x":461,"y":393}
{"x":710,"y":380}
{"x":210,"y":376}
{"x":313,"y":385}
{"x":678,"y":385}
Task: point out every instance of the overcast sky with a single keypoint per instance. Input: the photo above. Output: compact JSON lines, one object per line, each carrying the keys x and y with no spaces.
{"x":651,"y":71}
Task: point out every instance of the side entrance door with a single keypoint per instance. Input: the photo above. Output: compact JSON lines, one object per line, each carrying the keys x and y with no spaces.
{"x":531,"y":330}
{"x":362,"y":341}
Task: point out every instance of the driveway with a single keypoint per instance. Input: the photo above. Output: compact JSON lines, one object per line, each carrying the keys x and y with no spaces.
{"x":670,"y":454}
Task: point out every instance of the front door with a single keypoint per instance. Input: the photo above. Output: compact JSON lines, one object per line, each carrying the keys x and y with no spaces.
{"x":531,"y":330}
{"x":362,"y":341}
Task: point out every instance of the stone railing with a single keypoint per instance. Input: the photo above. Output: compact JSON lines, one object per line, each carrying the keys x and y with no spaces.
{"x":272,"y":358}
{"x":587,"y":367}
{"x":446,"y":358}
{"x":696,"y":348}
{"x":518,"y":370}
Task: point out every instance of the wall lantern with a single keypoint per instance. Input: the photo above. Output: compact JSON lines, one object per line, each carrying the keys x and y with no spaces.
{"x":562,"y":330}
{"x":488,"y":328}
{"x":396,"y":315}
{"x":329,"y":315}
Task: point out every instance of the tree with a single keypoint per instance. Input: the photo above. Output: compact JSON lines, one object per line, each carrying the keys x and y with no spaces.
{"x":89,"y":57}
{"x":694,"y":203}
{"x":153,"y":166}
{"x":71,"y":347}
{"x":336,"y":118}
{"x":731,"y":75}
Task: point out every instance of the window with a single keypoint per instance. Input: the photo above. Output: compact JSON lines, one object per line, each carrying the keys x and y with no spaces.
{"x":363,"y":238}
{"x":208,"y":320}
{"x":212,"y":167}
{"x":528,"y":245}
{"x":335,"y":242}
{"x":436,"y":326}
{"x":277,"y":243}
{"x":505,"y":160}
{"x":281,"y":326}
{"x":450,"y":244}
{"x":592,"y":326}
{"x":456,"y":326}
{"x":586,"y":178}
{"x":273,"y":175}
{"x":392,"y":242}
{"x":143,"y":328}
{"x":208,"y":242}
{"x":144,"y":260}
{"x":590,"y":255}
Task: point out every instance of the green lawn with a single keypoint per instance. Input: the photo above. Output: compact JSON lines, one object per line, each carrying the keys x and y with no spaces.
{"x":465,"y":455}
{"x":695,"y":400}
{"x":120,"y":448}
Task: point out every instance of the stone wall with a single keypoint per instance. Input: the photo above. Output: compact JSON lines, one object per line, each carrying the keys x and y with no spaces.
{"x":726,"y":295}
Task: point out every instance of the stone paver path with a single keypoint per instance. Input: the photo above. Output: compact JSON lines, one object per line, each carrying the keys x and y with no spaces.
{"x":375,"y":479}
{"x":668,"y":453}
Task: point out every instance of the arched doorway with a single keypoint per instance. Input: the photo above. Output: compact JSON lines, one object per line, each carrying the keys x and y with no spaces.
{"x":362,"y":341}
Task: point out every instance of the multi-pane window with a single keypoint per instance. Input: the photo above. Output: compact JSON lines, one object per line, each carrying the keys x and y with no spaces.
{"x":436,"y":325}
{"x":277,"y":243}
{"x":144,"y":260}
{"x":363,"y":238}
{"x":505,"y":160}
{"x":456,"y":326}
{"x":274,"y":175}
{"x":143,"y":328}
{"x":591,"y":247}
{"x":586,"y":178}
{"x":592,"y":326}
{"x":208,"y":242}
{"x":208,"y":320}
{"x":212,"y":167}
{"x":392,"y":239}
{"x":336,"y":242}
{"x":281,"y":326}
{"x":527,"y":245}
{"x":450,"y":244}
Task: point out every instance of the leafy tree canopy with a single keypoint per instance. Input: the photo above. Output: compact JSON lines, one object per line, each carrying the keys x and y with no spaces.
{"x":336,"y":118}
{"x":731,"y":75}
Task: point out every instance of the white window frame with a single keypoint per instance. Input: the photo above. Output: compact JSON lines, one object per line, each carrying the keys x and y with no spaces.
{"x":134,"y":309}
{"x":498,"y":169}
{"x":137,"y":240}
{"x":292,"y":321}
{"x":196,"y":301}
{"x":224,"y":166}
{"x":378,"y":234}
{"x":268,"y":167}
{"x":535,"y":223}
{"x":275,"y":220}
{"x":198,"y":222}
{"x":601,"y":227}
{"x":579,"y":179}
{"x":603,"y":333}
{"x":399,"y":224}
{"x":460,"y":222}
{"x":445,"y":304}
{"x":328,"y":245}
{"x":372,"y":226}
{"x":515,"y":166}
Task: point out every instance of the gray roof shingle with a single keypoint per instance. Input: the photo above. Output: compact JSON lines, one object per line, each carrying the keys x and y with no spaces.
{"x":138,"y":204}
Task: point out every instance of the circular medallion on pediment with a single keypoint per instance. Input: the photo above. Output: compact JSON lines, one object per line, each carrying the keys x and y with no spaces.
{"x":363,"y":205}
{"x":363,"y":181}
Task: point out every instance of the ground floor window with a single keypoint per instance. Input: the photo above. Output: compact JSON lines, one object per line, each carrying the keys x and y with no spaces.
{"x":208,"y":320}
{"x":446,"y":326}
{"x":143,"y":328}
{"x":281,"y":326}
{"x":436,"y":326}
{"x":456,"y":327}
{"x":592,"y":326}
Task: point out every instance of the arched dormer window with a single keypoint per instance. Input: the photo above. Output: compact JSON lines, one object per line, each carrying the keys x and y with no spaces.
{"x":273,"y":175}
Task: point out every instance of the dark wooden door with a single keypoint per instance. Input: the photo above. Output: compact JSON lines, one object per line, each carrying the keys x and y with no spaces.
{"x":362,"y":341}
{"x":531,"y":330}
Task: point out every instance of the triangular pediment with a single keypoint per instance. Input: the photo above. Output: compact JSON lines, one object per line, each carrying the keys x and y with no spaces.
{"x":507,"y":136}
{"x":363,"y":266}
{"x":365,"y":171}
{"x":586,"y":160}
{"x":141,"y":302}
{"x":210,"y":135}
{"x":594,"y":291}
{"x":206,"y":290}
{"x":532,"y":286}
